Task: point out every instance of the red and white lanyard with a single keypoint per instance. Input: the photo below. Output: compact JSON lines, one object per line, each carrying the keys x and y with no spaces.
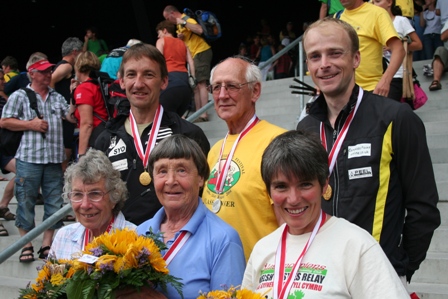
{"x":144,"y":155}
{"x":88,"y":232}
{"x":176,"y":247}
{"x":282,"y":288}
{"x":340,"y":139}
{"x":222,"y":174}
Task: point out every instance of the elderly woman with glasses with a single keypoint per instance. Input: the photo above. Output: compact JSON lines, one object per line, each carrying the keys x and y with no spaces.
{"x":97,"y":194}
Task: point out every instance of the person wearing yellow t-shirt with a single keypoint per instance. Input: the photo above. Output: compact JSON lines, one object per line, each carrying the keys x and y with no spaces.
{"x":375,"y":30}
{"x":235,"y":190}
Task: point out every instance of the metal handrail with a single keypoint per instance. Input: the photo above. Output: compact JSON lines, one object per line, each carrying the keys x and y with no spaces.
{"x":295,"y":43}
{"x":50,"y":221}
{"x":35,"y":232}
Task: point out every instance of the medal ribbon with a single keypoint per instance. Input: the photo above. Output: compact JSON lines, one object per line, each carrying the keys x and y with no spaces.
{"x":144,"y":156}
{"x":176,"y":247}
{"x":225,"y":169}
{"x":339,"y":140}
{"x":88,"y":232}
{"x":282,"y":288}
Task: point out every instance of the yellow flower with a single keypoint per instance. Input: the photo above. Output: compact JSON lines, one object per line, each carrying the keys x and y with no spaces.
{"x":57,"y":279}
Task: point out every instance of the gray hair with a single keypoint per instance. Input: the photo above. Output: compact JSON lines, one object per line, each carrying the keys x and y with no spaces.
{"x":253,"y":72}
{"x":91,"y":168}
{"x":295,"y":154}
{"x":71,"y":44}
{"x":35,"y":57}
{"x":179,"y":146}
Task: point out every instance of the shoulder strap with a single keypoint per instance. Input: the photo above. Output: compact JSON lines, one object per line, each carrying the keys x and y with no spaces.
{"x":33,"y":100}
{"x":338,"y":14}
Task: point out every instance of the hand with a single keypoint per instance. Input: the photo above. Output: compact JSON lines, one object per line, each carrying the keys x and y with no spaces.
{"x":73,"y":84}
{"x":39,"y":125}
{"x":382,"y":88}
{"x":181,"y":36}
{"x":86,"y":38}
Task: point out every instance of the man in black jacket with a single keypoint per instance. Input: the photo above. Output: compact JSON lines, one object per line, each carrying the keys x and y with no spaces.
{"x":129,"y":139}
{"x":381,"y":174}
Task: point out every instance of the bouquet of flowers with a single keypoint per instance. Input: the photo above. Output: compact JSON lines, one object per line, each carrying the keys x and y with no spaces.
{"x":51,"y":281}
{"x":116,"y":260}
{"x":232,"y":292}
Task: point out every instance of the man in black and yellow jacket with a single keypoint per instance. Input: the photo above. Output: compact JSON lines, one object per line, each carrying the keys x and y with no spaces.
{"x":381,"y":173}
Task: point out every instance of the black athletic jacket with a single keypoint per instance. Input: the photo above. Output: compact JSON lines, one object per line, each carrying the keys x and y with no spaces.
{"x":383,"y":178}
{"x":119,"y":146}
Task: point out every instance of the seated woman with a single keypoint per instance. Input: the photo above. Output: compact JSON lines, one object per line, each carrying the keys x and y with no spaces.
{"x":97,"y":194}
{"x":90,"y":106}
{"x":203,"y":250}
{"x":313,"y":255}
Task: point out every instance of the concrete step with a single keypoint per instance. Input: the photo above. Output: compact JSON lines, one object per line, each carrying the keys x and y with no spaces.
{"x":10,"y":286}
{"x":433,"y":269}
{"x":439,"y":243}
{"x":429,"y":290}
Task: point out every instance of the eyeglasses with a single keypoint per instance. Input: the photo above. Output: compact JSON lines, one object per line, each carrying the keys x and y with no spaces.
{"x":93,"y":196}
{"x":231,"y":88}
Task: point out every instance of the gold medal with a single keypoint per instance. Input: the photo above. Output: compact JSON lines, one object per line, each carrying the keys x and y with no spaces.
{"x":216,"y":206}
{"x":145,"y":178}
{"x":327,"y":194}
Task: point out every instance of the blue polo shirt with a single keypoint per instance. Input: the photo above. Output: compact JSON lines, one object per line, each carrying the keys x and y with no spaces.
{"x":212,"y":257}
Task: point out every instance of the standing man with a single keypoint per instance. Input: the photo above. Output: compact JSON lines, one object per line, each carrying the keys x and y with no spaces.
{"x":190,"y":32}
{"x":41,"y":151}
{"x":61,"y":77}
{"x":375,"y":30}
{"x":235,"y":190}
{"x":129,"y":139}
{"x":381,"y":175}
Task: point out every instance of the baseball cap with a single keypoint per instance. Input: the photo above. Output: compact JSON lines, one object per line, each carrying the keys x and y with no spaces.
{"x":41,"y":65}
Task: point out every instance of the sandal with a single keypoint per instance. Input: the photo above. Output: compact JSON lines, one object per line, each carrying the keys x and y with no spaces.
{"x":3,"y":231}
{"x":30,"y":255}
{"x":435,"y":85}
{"x":6,"y":214}
{"x":43,"y":252}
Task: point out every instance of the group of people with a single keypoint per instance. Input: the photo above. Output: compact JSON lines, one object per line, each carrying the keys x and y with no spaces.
{"x":265,"y":208}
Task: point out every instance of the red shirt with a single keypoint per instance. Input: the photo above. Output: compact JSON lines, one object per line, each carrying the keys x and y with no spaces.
{"x":88,"y":93}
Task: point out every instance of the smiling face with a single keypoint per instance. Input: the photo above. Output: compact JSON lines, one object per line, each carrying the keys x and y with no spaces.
{"x":330,"y":61}
{"x":298,"y":202}
{"x":95,"y":216}
{"x":235,"y":108}
{"x":177,"y":184}
{"x":143,"y":82}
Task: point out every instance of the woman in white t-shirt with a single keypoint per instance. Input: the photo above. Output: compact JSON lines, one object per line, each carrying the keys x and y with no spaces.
{"x":404,"y":28}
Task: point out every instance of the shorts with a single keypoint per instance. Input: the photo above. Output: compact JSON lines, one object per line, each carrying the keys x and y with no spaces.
{"x":202,"y":65}
{"x":442,"y":52}
{"x":4,"y":160}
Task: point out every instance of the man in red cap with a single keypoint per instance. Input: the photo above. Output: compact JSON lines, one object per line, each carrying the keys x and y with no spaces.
{"x":41,"y":150}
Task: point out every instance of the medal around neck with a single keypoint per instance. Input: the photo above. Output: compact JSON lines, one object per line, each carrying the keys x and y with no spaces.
{"x":328,"y":193}
{"x":145,"y":178}
{"x":216,"y":206}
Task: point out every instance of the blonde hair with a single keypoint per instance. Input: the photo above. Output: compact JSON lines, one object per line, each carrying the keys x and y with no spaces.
{"x":87,"y":62}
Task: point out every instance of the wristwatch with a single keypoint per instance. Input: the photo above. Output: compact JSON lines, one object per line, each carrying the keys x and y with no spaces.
{"x":184,"y":23}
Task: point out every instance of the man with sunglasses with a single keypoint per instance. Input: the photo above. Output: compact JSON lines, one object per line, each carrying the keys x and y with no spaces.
{"x":235,"y":190}
{"x":40,"y":153}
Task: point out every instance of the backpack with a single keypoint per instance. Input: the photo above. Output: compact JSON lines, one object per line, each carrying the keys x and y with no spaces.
{"x":114,"y":99}
{"x":10,"y":140}
{"x":210,"y":24}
